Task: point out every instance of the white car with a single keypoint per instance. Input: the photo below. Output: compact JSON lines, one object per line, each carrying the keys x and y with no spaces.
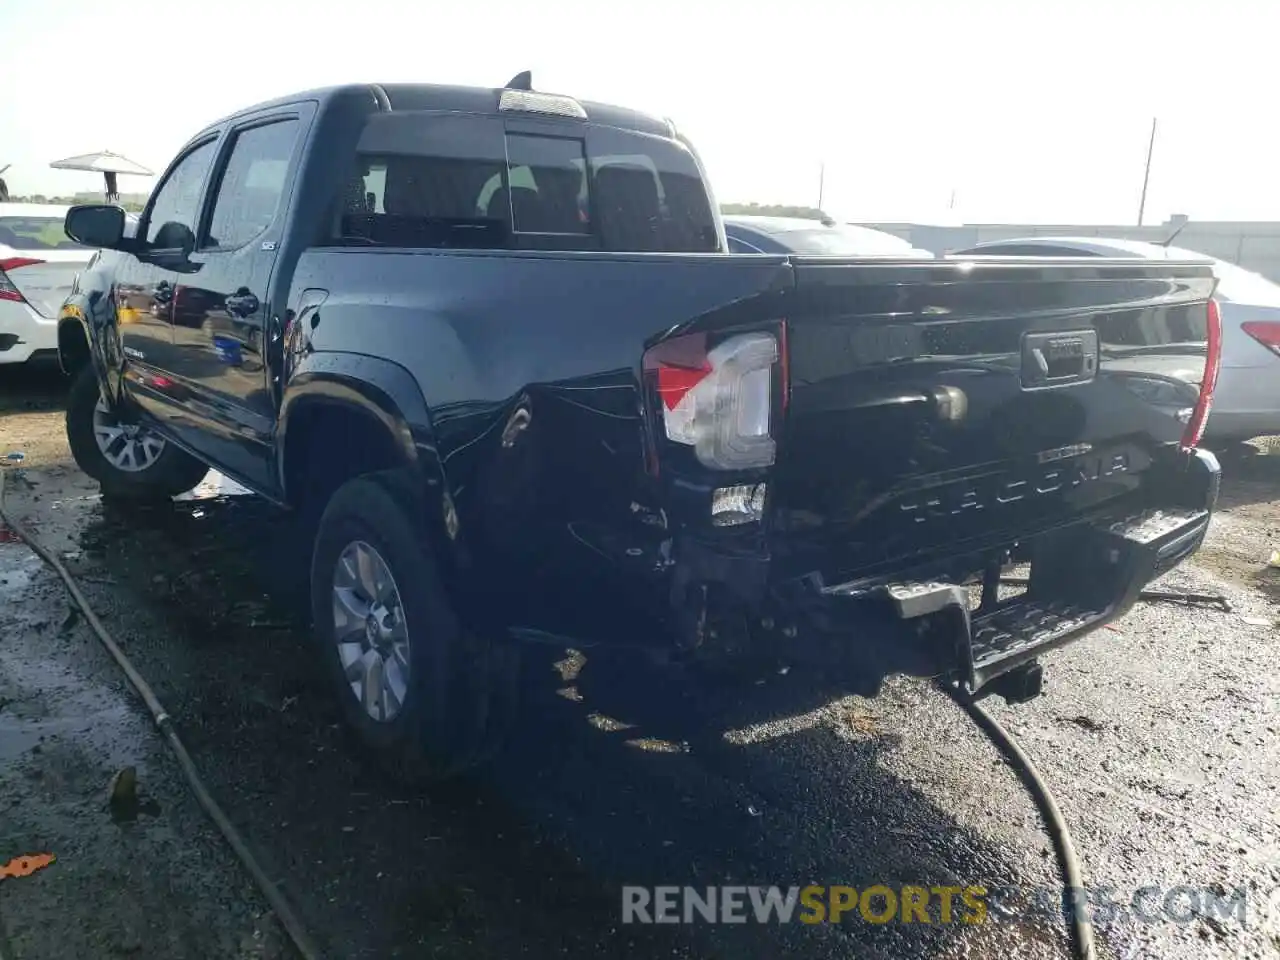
{"x":1246,"y":402}
{"x":38,"y":265}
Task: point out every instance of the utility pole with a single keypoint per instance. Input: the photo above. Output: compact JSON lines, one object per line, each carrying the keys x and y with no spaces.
{"x":1146,"y":174}
{"x":822,"y":175}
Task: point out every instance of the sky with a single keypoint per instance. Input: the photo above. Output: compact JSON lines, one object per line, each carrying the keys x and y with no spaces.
{"x":981,"y":111}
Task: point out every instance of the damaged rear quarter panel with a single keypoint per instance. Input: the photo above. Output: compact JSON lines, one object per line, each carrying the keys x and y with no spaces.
{"x":529,"y":363}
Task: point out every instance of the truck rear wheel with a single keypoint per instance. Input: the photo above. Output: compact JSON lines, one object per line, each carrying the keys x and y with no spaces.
{"x":416,"y":689}
{"x":129,"y":460}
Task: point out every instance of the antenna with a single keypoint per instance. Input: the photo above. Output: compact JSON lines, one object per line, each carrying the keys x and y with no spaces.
{"x":1146,"y":173}
{"x":521,"y":81}
{"x":1182,"y":222}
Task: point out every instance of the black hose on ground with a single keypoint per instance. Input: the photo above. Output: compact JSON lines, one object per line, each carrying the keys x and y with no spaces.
{"x":1072,"y":876}
{"x":279,"y":904}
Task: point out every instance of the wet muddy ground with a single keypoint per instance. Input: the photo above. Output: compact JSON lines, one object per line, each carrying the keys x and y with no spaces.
{"x":1158,"y":737}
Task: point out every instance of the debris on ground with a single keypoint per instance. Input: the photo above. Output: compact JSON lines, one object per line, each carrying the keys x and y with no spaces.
{"x":1087,"y":723}
{"x":25,"y":866}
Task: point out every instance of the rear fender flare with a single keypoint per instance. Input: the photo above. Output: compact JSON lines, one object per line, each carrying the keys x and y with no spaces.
{"x":91,"y":317}
{"x":389,"y":396}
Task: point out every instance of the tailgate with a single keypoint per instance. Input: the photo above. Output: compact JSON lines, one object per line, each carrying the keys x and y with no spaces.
{"x":935,"y":405}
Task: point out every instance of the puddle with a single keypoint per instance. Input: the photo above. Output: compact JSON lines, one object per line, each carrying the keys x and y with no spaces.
{"x":42,"y":698}
{"x":18,"y":567}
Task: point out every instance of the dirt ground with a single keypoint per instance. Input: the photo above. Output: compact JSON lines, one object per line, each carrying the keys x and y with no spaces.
{"x":1158,"y":737}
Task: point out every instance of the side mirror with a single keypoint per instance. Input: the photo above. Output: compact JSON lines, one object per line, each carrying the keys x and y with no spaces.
{"x":95,"y":225}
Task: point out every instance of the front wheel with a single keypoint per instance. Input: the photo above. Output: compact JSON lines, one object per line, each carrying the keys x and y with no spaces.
{"x":128,"y":459}
{"x":420,"y":692}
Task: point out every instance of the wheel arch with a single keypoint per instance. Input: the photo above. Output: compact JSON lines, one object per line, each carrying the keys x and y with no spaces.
{"x":75,"y":347}
{"x":345,"y":416}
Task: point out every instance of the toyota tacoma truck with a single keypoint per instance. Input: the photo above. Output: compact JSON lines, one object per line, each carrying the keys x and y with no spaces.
{"x":491,"y":345}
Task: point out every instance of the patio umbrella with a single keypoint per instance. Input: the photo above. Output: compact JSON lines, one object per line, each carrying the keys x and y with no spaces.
{"x":106,"y":163}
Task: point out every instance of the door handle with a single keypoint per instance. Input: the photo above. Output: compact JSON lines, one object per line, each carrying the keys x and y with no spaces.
{"x":242,"y":303}
{"x":162,"y":292}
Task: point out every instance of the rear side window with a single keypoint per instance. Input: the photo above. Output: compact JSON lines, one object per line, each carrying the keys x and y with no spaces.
{"x":35,"y":233}
{"x":252,"y":184}
{"x":462,"y":181}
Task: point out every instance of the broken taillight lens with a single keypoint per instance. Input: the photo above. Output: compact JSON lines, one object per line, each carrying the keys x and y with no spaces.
{"x":1212,"y":361}
{"x":718,"y":399}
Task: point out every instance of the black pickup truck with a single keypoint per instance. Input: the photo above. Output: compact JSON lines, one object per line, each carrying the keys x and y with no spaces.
{"x":491,"y":342}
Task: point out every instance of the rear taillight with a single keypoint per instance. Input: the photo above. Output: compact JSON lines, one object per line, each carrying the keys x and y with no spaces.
{"x":1266,"y":332}
{"x":718,"y":399}
{"x":1212,"y":360}
{"x":7,"y":290}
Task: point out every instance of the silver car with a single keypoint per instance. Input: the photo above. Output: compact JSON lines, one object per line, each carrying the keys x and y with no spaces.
{"x":1246,"y":402}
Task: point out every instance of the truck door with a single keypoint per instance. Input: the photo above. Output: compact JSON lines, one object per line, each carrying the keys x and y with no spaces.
{"x":224,"y":319}
{"x":145,"y":284}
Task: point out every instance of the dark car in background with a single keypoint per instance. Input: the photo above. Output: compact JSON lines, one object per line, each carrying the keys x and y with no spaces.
{"x":756,"y":234}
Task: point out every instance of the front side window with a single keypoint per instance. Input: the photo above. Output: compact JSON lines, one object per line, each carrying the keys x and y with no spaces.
{"x":252,"y":184}
{"x":171,"y":224}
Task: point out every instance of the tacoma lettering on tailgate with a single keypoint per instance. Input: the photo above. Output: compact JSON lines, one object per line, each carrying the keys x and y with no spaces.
{"x":993,"y":492}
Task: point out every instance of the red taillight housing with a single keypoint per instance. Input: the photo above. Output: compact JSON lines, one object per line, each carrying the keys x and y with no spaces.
{"x":1212,"y":361}
{"x":719,"y":398}
{"x":7,"y":289}
{"x":1266,"y":332}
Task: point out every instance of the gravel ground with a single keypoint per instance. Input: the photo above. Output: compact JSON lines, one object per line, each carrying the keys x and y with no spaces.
{"x":1158,"y":738}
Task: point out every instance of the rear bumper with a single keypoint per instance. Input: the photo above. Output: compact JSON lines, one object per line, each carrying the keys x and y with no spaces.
{"x":1083,"y":576}
{"x":1054,"y":612}
{"x":24,"y":332}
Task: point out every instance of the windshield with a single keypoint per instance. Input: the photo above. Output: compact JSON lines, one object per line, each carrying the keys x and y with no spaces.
{"x":35,"y":233}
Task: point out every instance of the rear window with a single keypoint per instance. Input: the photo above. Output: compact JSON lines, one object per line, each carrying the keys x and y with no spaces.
{"x":35,"y":233}
{"x":465,"y":182}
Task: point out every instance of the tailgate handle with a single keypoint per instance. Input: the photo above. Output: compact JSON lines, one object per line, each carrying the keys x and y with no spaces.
{"x":1059,"y":358}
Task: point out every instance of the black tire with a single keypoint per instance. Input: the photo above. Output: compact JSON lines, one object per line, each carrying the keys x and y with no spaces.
{"x":174,"y":471}
{"x":460,"y":689}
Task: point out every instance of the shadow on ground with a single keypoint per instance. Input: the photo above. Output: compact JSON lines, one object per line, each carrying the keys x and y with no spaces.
{"x":529,"y":857}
